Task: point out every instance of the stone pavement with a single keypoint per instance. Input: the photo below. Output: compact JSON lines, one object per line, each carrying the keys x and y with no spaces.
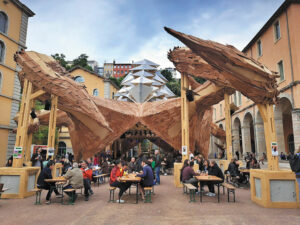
{"x":169,"y":206}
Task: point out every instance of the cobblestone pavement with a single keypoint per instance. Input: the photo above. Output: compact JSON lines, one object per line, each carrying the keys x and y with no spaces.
{"x":169,"y":206}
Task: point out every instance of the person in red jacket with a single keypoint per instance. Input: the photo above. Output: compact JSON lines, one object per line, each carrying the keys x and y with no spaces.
{"x":114,"y":181}
{"x":87,"y":177}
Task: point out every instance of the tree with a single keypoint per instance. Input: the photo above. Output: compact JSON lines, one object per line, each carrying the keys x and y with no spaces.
{"x":175,"y":87}
{"x":82,"y":61}
{"x":61,"y":58}
{"x":168,"y":75}
{"x":117,"y":81}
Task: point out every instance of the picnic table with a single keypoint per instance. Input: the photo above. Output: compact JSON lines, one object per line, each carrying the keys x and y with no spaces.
{"x":209,"y":178}
{"x":133,"y":179}
{"x":59,"y":183}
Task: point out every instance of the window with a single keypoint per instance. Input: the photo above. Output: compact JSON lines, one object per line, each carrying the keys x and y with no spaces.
{"x":79,"y":79}
{"x":221,"y":112}
{"x":122,"y":71}
{"x":3,"y":22}
{"x":2,"y":51}
{"x":280,"y":70}
{"x":277,"y":30}
{"x":96,"y":92}
{"x":234,"y":98}
{"x":122,"y":67}
{"x":259,"y":48}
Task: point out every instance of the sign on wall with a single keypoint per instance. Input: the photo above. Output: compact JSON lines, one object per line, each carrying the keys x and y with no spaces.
{"x":184,"y":150}
{"x":274,"y":148}
{"x":50,"y":151}
{"x":17,"y":152}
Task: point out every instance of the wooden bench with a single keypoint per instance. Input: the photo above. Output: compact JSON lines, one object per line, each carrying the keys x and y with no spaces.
{"x":112,"y":194}
{"x":72,"y":191}
{"x":148,"y":191}
{"x":38,"y":193}
{"x":230,"y":189}
{"x":192,"y":190}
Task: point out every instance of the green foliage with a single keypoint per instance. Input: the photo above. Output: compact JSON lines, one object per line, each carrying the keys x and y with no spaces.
{"x":82,"y":61}
{"x":117,"y":81}
{"x":61,"y":58}
{"x":175,"y":87}
{"x":168,"y":75}
{"x":200,"y":80}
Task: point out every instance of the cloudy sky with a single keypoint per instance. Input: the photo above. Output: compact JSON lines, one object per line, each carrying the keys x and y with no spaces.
{"x":127,"y":30}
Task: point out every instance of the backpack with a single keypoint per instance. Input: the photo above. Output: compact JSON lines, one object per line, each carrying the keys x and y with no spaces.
{"x":295,"y":163}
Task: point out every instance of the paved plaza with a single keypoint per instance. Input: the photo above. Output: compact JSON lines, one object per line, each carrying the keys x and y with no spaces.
{"x":169,"y":206}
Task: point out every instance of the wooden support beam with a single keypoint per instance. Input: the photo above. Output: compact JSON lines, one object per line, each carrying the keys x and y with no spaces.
{"x":37,"y":94}
{"x":267,"y":114}
{"x":228,"y":127}
{"x":52,"y":123}
{"x":23,"y":121}
{"x":29,"y":137}
{"x":140,"y":148}
{"x":185,"y":116}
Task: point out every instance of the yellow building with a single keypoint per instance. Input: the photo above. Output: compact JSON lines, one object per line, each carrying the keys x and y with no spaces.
{"x":96,"y":85}
{"x":13,"y":30}
{"x":276,"y":45}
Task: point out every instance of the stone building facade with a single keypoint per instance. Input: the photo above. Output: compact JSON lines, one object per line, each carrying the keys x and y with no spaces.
{"x":277,"y":45}
{"x":13,"y":31}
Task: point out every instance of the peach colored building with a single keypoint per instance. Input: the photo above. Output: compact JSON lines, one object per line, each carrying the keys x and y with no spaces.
{"x":276,"y":45}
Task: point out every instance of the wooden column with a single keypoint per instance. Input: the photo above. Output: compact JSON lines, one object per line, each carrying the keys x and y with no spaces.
{"x":228,"y":127}
{"x":52,"y":123}
{"x":23,"y":121}
{"x":29,"y":137}
{"x":267,"y":114}
{"x":184,"y":116}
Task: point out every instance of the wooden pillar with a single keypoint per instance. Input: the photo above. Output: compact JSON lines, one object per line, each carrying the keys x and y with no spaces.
{"x":228,"y":127}
{"x":267,"y":114}
{"x":29,"y":137}
{"x":184,"y":116}
{"x":52,"y":123}
{"x":23,"y":122}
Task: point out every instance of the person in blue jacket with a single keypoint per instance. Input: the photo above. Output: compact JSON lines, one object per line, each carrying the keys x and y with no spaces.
{"x":147,"y":177}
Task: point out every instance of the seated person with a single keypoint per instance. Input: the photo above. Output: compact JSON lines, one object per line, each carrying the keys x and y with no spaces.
{"x":50,"y":186}
{"x":87,"y":177}
{"x":205,"y":168}
{"x":233,"y":169}
{"x":214,"y":170}
{"x":114,"y":181}
{"x":165,"y":166}
{"x":188,"y":174}
{"x":75,"y":178}
{"x":147,"y":177}
{"x":254,"y":164}
{"x":132,"y":165}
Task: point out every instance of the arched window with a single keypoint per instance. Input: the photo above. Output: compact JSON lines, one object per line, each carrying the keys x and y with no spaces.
{"x":79,"y":79}
{"x":2,"y":51}
{"x":3,"y":22}
{"x":96,"y":92}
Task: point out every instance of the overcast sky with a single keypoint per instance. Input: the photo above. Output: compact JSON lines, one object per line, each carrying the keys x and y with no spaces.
{"x":127,"y":30}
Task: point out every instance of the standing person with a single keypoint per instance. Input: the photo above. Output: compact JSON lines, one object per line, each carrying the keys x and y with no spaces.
{"x":87,"y":177}
{"x":114,"y":180}
{"x":237,"y":155}
{"x":295,"y":165}
{"x":147,"y":177}
{"x":47,"y":174}
{"x":157,"y":166}
{"x":37,"y":159}
{"x":75,"y":178}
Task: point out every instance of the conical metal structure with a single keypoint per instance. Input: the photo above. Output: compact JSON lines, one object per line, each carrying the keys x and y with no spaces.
{"x":144,"y":83}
